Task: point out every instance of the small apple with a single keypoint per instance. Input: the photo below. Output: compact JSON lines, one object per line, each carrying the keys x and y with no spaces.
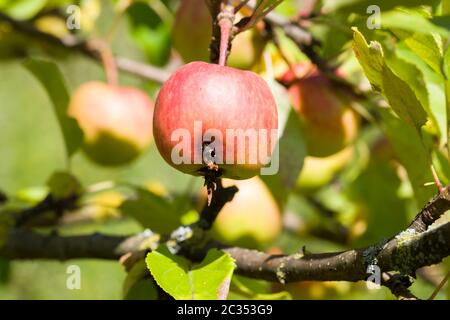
{"x":330,"y":124}
{"x":252,"y":219}
{"x":247,"y":49}
{"x":201,"y":98}
{"x":192,"y":32}
{"x":116,"y":121}
{"x":317,"y":172}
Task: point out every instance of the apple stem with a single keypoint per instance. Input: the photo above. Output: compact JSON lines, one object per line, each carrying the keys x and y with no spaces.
{"x":436,"y":179}
{"x":226,"y":23}
{"x":109,"y":63}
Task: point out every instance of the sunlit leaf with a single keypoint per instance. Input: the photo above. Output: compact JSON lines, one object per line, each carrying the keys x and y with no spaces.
{"x":410,"y":149}
{"x":370,"y":56}
{"x":177,"y":276}
{"x":151,"y":211}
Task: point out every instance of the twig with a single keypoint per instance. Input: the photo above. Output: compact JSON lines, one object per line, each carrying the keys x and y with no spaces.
{"x":220,"y":196}
{"x":72,"y":43}
{"x":432,"y":211}
{"x":214,"y":7}
{"x":440,"y":286}
{"x":242,"y":4}
{"x":34,"y":215}
{"x":399,"y":284}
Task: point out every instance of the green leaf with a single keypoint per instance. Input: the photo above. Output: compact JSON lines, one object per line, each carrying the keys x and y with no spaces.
{"x":442,"y":166}
{"x":433,"y":84}
{"x":137,"y":285}
{"x":360,"y":6}
{"x":150,"y":32}
{"x":52,"y":79}
{"x":402,"y":99}
{"x":5,"y":270}
{"x":63,"y":185}
{"x":370,"y":58}
{"x":447,"y":94}
{"x":175,"y":275}
{"x":429,"y":48}
{"x":386,"y":211}
{"x":406,"y":20}
{"x":151,"y":211}
{"x":410,"y":149}
{"x":254,"y":289}
{"x":442,"y":21}
{"x":445,"y":6}
{"x":291,"y":148}
{"x":22,"y":9}
{"x":410,"y":81}
{"x":32,"y":195}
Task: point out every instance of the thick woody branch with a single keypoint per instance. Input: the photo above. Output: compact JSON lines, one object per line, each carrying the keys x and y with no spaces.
{"x":23,"y":244}
{"x":74,"y":44}
{"x":405,"y":253}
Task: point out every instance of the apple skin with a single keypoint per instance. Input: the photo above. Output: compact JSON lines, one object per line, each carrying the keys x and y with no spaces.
{"x":329,"y":122}
{"x":252,"y":219}
{"x":116,"y":121}
{"x":192,"y":33}
{"x":220,"y":98}
{"x":317,"y":172}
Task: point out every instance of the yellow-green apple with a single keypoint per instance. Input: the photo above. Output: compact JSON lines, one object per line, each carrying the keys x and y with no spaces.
{"x":247,"y":49}
{"x":252,"y":219}
{"x":210,"y":114}
{"x":330,"y":124}
{"x":116,"y":121}
{"x":317,"y":172}
{"x":192,"y":33}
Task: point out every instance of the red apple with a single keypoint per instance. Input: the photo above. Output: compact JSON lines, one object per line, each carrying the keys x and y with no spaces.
{"x":329,"y":122}
{"x":116,"y":121}
{"x":200,"y":98}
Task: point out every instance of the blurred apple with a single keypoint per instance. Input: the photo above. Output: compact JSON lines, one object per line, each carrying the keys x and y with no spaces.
{"x":116,"y":121}
{"x":252,"y":219}
{"x":316,"y":290}
{"x":192,"y":33}
{"x":53,"y":25}
{"x":330,"y":124}
{"x":317,"y":172}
